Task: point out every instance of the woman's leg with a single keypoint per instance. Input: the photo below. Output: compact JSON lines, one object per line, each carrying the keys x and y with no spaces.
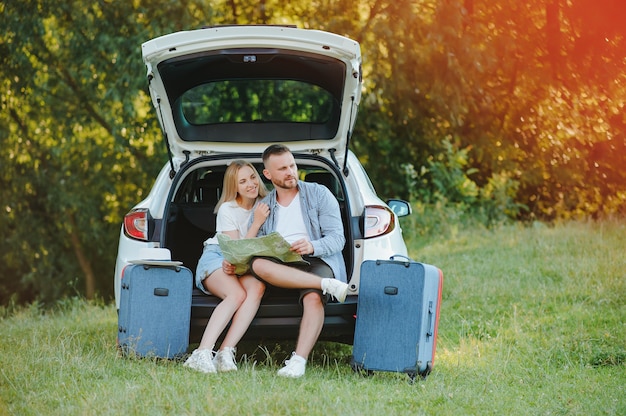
{"x":254,"y":289}
{"x":229,"y":289}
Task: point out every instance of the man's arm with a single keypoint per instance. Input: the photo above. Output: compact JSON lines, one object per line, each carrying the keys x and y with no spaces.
{"x":327,"y":234}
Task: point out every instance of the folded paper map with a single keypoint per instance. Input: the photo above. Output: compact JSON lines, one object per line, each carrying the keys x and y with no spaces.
{"x":239,"y":252}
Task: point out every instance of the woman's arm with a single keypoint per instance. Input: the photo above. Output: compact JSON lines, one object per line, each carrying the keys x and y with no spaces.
{"x":260,"y":214}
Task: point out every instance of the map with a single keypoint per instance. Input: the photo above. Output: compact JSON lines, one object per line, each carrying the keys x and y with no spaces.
{"x":239,"y":252}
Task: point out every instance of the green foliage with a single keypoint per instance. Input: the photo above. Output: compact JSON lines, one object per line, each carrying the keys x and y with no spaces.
{"x":485,"y":111}
{"x":514,"y":84}
{"x":444,"y":187}
{"x":81,"y":145}
{"x":267,"y":100}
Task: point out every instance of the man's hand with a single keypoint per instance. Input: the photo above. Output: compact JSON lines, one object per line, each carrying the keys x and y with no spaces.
{"x":302,"y":247}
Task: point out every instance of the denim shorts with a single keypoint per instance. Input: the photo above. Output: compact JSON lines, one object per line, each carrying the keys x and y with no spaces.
{"x":210,"y":261}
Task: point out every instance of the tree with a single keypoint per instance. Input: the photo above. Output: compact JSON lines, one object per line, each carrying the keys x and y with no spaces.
{"x":80,"y":147}
{"x":470,"y":101}
{"x":514,"y":83}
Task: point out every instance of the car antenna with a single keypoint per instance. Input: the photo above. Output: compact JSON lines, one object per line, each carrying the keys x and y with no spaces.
{"x":167,"y":142}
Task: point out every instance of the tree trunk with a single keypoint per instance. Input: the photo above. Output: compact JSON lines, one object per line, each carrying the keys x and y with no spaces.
{"x":553,"y":35}
{"x":85,"y":265}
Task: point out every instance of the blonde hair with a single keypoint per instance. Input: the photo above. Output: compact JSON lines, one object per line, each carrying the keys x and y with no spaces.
{"x":229,"y":188}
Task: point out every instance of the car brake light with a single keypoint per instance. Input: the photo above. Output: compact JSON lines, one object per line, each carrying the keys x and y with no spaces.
{"x":136,"y":224}
{"x":379,"y":220}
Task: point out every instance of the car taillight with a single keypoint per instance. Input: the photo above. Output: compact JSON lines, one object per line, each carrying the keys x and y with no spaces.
{"x":136,"y":224}
{"x":379,"y":220}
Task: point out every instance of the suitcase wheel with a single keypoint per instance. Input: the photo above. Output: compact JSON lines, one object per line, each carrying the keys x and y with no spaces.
{"x":427,"y":370}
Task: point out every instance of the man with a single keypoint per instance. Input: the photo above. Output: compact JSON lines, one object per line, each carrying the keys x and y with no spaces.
{"x":307,"y":215}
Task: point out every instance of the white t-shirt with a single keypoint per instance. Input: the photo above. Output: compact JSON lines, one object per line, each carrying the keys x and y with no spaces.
{"x":289,"y":221}
{"x":231,"y":217}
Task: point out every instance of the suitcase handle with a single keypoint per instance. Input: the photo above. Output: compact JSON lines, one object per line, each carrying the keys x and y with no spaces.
{"x":175,"y":267}
{"x":161,"y":291}
{"x":391,"y":290}
{"x":407,"y":262}
{"x":431,"y":325}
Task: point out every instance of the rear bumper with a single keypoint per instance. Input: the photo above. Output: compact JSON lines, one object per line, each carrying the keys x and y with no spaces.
{"x":278,"y":318}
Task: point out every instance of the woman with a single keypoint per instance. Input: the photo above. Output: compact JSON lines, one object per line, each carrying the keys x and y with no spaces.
{"x":241,"y":295}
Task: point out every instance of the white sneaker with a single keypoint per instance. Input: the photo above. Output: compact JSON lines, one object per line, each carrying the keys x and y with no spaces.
{"x":335,"y":288}
{"x":201,"y":360}
{"x":294,"y":367}
{"x":225,"y":360}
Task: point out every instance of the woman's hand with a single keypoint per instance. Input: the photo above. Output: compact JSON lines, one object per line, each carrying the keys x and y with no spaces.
{"x":227,"y":267}
{"x":261,"y":212}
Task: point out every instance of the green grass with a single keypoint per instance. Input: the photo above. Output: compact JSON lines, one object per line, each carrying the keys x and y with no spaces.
{"x":533,"y":321}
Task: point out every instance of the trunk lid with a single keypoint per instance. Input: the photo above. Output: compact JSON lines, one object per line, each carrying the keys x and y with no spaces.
{"x":241,"y":88}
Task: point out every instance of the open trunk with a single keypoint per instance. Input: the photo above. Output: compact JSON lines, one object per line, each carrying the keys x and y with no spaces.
{"x":189,"y":220}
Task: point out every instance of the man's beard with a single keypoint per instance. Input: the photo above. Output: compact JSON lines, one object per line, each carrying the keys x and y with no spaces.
{"x":287,"y":184}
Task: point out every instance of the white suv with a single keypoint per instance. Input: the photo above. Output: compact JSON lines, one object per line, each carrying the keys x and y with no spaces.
{"x":225,"y":93}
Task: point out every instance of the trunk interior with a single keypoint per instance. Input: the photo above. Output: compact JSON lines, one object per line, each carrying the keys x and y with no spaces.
{"x":191,"y":220}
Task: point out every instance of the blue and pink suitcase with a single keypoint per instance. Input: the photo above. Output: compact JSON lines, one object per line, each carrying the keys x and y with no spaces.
{"x":397,"y":317}
{"x":155,"y":309}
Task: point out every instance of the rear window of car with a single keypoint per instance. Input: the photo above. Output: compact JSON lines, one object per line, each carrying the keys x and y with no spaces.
{"x":254,"y":95}
{"x":256,"y":101}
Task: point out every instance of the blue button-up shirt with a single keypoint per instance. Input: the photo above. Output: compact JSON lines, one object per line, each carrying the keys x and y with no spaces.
{"x":322,"y":218}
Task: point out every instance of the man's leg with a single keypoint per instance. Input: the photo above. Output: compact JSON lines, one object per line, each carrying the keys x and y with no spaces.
{"x":310,"y":328}
{"x":280,"y":275}
{"x":318,"y":276}
{"x":311,"y":324}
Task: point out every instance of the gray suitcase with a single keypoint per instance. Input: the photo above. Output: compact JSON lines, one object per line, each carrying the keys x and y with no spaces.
{"x":397,"y":317}
{"x":155,"y":309}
